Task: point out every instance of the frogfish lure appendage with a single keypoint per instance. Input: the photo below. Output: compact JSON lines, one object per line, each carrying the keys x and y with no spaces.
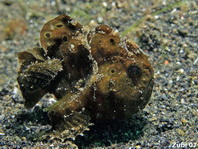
{"x":94,"y":75}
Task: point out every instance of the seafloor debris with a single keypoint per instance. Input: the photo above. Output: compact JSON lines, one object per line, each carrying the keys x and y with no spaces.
{"x":93,"y":74}
{"x":14,"y":29}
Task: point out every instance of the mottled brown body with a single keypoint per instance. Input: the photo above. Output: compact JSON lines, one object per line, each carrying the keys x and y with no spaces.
{"x":93,"y":74}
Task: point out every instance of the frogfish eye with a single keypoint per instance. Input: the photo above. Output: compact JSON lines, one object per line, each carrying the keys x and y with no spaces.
{"x":64,"y":38}
{"x":134,"y":72}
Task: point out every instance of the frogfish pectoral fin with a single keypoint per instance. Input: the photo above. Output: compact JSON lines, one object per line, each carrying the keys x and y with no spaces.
{"x":69,"y":116}
{"x":71,"y":125}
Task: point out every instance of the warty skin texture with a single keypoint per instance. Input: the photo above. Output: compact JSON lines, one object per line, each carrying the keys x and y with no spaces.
{"x":94,"y":75}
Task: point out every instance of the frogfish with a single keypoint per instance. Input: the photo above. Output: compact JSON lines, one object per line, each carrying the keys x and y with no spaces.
{"x":94,"y":74}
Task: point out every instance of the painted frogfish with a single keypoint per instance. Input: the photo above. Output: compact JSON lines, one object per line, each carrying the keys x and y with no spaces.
{"x":93,"y":74}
